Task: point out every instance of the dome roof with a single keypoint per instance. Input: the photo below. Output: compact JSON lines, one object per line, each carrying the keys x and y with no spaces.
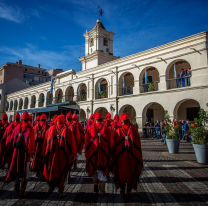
{"x":98,"y":25}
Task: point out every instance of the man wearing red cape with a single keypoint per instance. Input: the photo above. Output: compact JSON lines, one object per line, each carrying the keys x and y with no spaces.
{"x":31,"y":121}
{"x":108,"y":120}
{"x":79,"y":133}
{"x":127,"y":156}
{"x":115,"y":123}
{"x":90,"y":121}
{"x":97,"y":143}
{"x":60,"y":151}
{"x":23,"y":143}
{"x":40,"y":131}
{"x":3,"y":125}
{"x":6,"y":147}
{"x":53,"y":120}
{"x":37,"y":119}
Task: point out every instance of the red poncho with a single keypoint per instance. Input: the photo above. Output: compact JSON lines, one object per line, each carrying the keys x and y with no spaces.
{"x":127,"y":156}
{"x":6,"y":148}
{"x":3,"y":126}
{"x":39,"y":136}
{"x":60,"y":150}
{"x":97,"y":143}
{"x":108,"y":122}
{"x":20,"y":138}
{"x":79,"y":133}
{"x":76,"y":137}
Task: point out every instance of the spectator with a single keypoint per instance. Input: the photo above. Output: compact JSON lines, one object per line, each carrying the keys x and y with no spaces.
{"x":178,"y":81}
{"x":165,"y":124}
{"x":182,"y":129}
{"x":189,"y":77}
{"x":183,"y":74}
{"x":186,"y":129}
{"x":136,"y":125}
{"x":157,"y":129}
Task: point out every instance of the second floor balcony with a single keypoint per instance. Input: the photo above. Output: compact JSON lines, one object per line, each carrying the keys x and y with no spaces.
{"x":61,"y":100}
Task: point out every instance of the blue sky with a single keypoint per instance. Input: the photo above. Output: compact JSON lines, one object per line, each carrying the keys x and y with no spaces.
{"x":50,"y":32}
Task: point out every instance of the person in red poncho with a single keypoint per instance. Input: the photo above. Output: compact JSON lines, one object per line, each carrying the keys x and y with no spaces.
{"x":37,"y":119}
{"x":90,"y":121}
{"x":108,"y":120}
{"x":127,"y":156}
{"x":97,"y":143}
{"x":40,"y":131}
{"x":31,"y":121}
{"x":53,"y":121}
{"x":115,"y":123}
{"x":6,"y":148}
{"x":60,"y":151}
{"x":3,"y":125}
{"x":23,"y":143}
{"x":80,"y":136}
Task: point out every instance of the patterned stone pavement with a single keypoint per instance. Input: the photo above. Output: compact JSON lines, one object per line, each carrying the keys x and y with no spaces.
{"x":167,"y":179}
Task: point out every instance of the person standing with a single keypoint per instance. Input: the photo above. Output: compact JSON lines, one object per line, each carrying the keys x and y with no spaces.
{"x":157,"y":129}
{"x":40,"y":131}
{"x":183,"y":75}
{"x":108,"y":120}
{"x":189,"y":77}
{"x":59,"y":153}
{"x":23,"y":143}
{"x":3,"y":125}
{"x":165,"y":125}
{"x":127,"y":160}
{"x":97,"y":144}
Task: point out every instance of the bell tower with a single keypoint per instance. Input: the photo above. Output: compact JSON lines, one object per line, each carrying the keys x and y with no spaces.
{"x":98,"y":47}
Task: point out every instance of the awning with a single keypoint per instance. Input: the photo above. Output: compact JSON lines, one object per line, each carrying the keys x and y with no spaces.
{"x":46,"y":109}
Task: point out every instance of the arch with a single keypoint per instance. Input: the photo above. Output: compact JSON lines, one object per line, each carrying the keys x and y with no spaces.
{"x":105,"y":41}
{"x":7,"y":105}
{"x":20,"y":103}
{"x":186,"y":109}
{"x":128,"y":109}
{"x":15,"y":104}
{"x":41,"y":100}
{"x":152,"y":112}
{"x":58,"y":96}
{"x":174,"y":81}
{"x":102,"y":110}
{"x":82,"y":115}
{"x":126,"y":83}
{"x":103,"y":88}
{"x":82,"y":92}
{"x":49,"y":98}
{"x":69,"y":94}
{"x":11,"y":104}
{"x":26,"y":102}
{"x":91,"y":42}
{"x":153,"y":79}
{"x":33,"y":101}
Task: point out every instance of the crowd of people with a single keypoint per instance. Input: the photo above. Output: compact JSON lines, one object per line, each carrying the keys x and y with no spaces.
{"x":52,"y":150}
{"x":158,"y":130}
{"x":184,"y":78}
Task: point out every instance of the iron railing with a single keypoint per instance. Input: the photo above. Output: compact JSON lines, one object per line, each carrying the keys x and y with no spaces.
{"x":25,"y":106}
{"x":126,"y":90}
{"x":40,"y":104}
{"x":32,"y":106}
{"x":61,"y":100}
{"x":102,"y":94}
{"x":178,"y":82}
{"x":82,"y":97}
{"x":149,"y":87}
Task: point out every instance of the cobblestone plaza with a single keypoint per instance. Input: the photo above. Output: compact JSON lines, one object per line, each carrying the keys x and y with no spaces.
{"x":167,"y":179}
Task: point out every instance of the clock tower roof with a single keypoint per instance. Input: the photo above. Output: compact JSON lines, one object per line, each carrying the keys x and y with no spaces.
{"x":98,"y":25}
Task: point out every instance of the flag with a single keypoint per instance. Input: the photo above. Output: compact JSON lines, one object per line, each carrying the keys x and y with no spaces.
{"x":146,"y":77}
{"x":52,"y":81}
{"x":123,"y":82}
{"x":79,"y":89}
{"x":175,"y":74}
{"x":99,"y":86}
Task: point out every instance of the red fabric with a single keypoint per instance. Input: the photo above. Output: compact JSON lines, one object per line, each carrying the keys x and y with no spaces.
{"x":6,"y":149}
{"x":79,"y":135}
{"x":60,"y":119}
{"x":38,"y":118}
{"x":74,"y":117}
{"x":43,"y":116}
{"x":98,"y":115}
{"x":60,"y":150}
{"x":4,"y":116}
{"x":175,"y":123}
{"x":69,"y":115}
{"x":116,"y":118}
{"x":17,"y":116}
{"x":25,"y":115}
{"x":20,"y":138}
{"x":124,"y":116}
{"x":39,"y":137}
{"x":127,"y":156}
{"x":3,"y":127}
{"x":107,"y":122}
{"x":97,"y":143}
{"x":108,"y":115}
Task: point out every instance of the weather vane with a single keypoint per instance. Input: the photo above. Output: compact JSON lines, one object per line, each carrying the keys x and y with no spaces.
{"x":100,"y":11}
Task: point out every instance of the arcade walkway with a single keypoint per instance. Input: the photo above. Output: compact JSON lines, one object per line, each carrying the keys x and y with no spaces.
{"x":166,"y":180}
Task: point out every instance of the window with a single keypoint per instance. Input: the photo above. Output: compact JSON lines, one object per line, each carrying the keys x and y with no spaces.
{"x":105,"y":42}
{"x":107,"y":50}
{"x":39,"y":72}
{"x":92,"y":42}
{"x":25,"y":69}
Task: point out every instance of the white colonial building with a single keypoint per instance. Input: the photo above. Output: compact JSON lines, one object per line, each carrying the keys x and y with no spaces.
{"x":111,"y":84}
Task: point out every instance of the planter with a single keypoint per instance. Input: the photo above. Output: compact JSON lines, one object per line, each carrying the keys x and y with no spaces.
{"x":173,"y":145}
{"x":201,"y":152}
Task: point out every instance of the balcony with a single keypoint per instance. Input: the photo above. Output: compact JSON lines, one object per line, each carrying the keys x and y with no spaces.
{"x":10,"y":109}
{"x":15,"y":108}
{"x":32,"y":106}
{"x":20,"y":108}
{"x":149,"y":87}
{"x":62,"y":100}
{"x":126,"y":90}
{"x":25,"y":106}
{"x":40,"y":104}
{"x":102,"y":94}
{"x":178,"y":82}
{"x":82,"y":97}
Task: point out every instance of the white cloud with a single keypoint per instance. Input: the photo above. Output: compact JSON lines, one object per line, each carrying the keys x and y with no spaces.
{"x":11,"y":13}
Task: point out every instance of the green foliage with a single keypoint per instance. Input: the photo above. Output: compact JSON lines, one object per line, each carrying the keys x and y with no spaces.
{"x":167,"y":116}
{"x":101,"y":94}
{"x":199,"y":129}
{"x":151,"y":87}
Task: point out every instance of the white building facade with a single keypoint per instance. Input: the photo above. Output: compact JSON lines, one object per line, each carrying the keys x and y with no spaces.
{"x":111,"y":84}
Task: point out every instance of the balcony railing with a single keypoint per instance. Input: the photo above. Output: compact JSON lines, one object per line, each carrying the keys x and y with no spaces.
{"x":40,"y":104}
{"x":32,"y":106}
{"x":15,"y":108}
{"x":20,"y":107}
{"x":82,"y":97}
{"x":62,"y":100}
{"x":149,"y":87}
{"x":25,"y":106}
{"x":10,"y":109}
{"x":126,"y":90}
{"x":102,"y":94}
{"x":178,"y":82}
